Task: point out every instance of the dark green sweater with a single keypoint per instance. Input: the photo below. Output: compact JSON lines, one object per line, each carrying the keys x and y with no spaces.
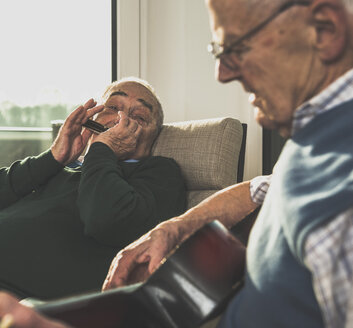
{"x":60,"y":228}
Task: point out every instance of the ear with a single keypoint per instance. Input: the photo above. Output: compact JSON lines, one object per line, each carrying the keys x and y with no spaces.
{"x":330,"y":23}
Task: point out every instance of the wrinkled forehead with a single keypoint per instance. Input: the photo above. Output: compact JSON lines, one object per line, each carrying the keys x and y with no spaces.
{"x":136,"y":91}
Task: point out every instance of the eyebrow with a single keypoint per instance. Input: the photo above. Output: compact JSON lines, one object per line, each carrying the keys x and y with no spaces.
{"x":146,"y":104}
{"x":118,"y":93}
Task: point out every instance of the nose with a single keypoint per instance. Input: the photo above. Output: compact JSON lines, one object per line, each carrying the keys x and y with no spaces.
{"x":224,"y":73}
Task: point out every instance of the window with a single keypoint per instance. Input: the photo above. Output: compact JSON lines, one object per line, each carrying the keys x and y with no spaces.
{"x":55,"y":54}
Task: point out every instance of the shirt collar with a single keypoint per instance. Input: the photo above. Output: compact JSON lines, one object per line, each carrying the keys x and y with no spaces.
{"x":336,"y":93}
{"x":78,"y":163}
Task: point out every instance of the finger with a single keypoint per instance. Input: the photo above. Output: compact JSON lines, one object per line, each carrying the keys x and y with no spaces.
{"x":7,"y":321}
{"x":138,"y":130}
{"x":118,"y":278}
{"x":124,"y":120}
{"x":75,"y":114}
{"x":90,"y":103}
{"x":86,"y":134}
{"x":75,"y":117}
{"x":78,"y":116}
{"x":92,"y":111}
{"x":81,"y":111}
{"x":155,"y":263}
{"x":133,"y":126}
{"x":120,"y":270}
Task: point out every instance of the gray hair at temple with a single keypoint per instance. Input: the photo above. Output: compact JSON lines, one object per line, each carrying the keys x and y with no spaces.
{"x":159,"y":110}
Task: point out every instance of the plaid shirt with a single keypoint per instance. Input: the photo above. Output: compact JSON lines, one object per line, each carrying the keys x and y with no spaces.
{"x":259,"y":187}
{"x":329,"y":248}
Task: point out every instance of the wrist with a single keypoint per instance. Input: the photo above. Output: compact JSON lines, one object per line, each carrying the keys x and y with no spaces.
{"x":59,"y":159}
{"x":176,"y":229}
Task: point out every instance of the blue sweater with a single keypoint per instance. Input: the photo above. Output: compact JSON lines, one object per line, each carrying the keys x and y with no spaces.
{"x":312,"y":183}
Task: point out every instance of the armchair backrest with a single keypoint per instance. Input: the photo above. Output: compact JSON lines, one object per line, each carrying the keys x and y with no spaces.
{"x":210,"y":153}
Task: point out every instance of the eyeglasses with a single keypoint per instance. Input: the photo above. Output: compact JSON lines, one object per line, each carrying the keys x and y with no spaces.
{"x":218,"y":50}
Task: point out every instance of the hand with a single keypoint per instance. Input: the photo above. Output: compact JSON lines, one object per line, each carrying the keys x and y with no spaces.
{"x":123,"y":137}
{"x":140,"y":259}
{"x":71,"y":139}
{"x":15,"y":315}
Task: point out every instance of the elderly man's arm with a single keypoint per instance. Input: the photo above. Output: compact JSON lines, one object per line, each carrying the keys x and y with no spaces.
{"x":229,"y":206}
{"x":24,"y":177}
{"x":121,"y":201}
{"x":15,"y":315}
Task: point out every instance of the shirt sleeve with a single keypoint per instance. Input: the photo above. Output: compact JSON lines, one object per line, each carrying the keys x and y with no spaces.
{"x":24,"y":177}
{"x":259,"y":187}
{"x":328,"y":254}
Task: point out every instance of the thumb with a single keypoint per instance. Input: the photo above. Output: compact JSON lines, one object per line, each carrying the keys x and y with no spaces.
{"x":154,"y":264}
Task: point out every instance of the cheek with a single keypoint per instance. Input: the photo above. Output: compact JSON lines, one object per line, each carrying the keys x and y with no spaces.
{"x":101,"y":116}
{"x":148,"y":135}
{"x":254,"y":72}
{"x":107,"y":117}
{"x":262,"y":79}
{"x":268,"y":43}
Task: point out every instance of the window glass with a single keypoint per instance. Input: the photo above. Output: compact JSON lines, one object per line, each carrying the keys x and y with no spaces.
{"x":55,"y":54}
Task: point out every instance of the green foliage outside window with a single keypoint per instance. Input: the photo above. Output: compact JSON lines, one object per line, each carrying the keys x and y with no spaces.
{"x":12,"y":115}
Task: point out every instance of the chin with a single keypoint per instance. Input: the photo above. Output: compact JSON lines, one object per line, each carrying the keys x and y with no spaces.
{"x":262,"y":119}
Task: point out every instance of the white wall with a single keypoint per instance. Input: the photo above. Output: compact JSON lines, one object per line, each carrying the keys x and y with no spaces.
{"x":171,"y":38}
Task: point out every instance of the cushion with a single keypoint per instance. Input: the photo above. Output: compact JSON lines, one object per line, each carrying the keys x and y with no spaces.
{"x":207,"y":152}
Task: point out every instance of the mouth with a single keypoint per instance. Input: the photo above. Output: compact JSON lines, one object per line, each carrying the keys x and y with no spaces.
{"x":254,"y":100}
{"x":257,"y":101}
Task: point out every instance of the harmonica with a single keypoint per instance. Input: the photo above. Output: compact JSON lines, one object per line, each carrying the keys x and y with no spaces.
{"x":95,"y":126}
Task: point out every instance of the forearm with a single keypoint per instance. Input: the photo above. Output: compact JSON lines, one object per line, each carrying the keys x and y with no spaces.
{"x":25,"y":176}
{"x":101,"y":200}
{"x":229,"y":206}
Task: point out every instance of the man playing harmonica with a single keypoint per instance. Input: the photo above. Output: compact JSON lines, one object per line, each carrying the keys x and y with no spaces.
{"x":59,"y":237}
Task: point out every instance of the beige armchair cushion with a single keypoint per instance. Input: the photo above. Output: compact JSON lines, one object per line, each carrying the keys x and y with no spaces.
{"x":207,"y":152}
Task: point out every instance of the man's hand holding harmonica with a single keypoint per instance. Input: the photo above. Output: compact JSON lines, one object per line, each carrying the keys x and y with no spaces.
{"x":71,"y":139}
{"x":122,"y":137}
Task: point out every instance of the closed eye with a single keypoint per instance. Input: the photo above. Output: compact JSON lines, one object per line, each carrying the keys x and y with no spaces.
{"x":112,"y":108}
{"x":141,"y":120}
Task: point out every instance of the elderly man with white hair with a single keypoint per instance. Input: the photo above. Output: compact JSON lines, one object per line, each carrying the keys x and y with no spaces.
{"x":296,"y":59}
{"x":60,"y":239}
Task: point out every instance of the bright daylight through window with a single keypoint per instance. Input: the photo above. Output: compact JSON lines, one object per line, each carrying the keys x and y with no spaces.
{"x":55,"y":55}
